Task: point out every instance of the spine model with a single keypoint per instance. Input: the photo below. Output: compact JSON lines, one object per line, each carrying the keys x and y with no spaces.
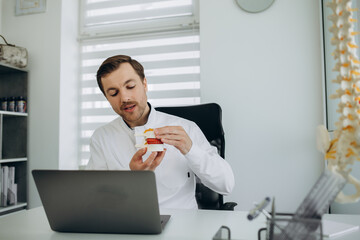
{"x":344,"y":149}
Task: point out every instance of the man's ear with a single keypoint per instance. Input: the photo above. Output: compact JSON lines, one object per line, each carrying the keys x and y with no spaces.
{"x":145,"y":84}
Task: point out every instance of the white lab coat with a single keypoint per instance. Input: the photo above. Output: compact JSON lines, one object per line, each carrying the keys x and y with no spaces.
{"x":113,"y":145}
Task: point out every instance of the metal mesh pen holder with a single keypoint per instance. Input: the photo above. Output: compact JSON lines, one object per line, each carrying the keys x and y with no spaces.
{"x":290,"y":228}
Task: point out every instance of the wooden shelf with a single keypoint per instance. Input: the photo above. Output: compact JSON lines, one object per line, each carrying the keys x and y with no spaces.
{"x":13,"y":160}
{"x":13,"y":134}
{"x":19,"y":205}
{"x":13,"y":113}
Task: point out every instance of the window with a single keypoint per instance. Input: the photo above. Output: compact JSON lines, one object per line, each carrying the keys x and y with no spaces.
{"x":162,"y":35}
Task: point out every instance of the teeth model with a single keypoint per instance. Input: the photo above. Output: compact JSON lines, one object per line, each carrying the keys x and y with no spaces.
{"x":150,"y":141}
{"x":344,"y":149}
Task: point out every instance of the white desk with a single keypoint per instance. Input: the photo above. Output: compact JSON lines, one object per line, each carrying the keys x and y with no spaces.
{"x":183,"y":224}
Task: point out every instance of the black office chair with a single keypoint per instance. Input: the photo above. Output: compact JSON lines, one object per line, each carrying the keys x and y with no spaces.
{"x":208,"y":118}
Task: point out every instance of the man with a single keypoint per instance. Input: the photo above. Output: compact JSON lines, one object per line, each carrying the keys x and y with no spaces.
{"x":188,"y":153}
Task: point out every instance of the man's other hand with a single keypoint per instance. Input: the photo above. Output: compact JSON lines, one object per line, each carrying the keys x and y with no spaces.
{"x":151,"y":163}
{"x":175,"y":136}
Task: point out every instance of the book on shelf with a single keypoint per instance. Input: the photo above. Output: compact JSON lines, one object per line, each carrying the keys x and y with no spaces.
{"x":12,"y":187}
{"x":4,"y":185}
{"x":8,"y":192}
{"x":1,"y":187}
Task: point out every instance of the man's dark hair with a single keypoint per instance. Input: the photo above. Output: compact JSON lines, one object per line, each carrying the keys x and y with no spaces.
{"x":113,"y":63}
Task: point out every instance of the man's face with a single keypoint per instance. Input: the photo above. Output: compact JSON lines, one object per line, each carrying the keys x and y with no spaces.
{"x":126,"y":93}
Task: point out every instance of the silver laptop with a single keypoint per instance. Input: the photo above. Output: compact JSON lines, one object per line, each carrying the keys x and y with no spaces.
{"x":100,"y":201}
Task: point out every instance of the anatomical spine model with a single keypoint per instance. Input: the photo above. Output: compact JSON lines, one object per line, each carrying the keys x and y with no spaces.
{"x":344,"y":149}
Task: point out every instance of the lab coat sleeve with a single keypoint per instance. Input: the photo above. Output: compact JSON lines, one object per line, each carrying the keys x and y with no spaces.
{"x":207,"y":164}
{"x":97,"y":157}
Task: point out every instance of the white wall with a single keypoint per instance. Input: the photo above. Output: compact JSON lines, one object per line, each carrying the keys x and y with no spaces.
{"x":265,"y":71}
{"x":44,"y":37}
{"x":0,"y":16}
{"x":69,"y":91}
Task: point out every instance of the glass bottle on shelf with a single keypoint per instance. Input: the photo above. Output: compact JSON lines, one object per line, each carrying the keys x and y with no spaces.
{"x":11,"y":104}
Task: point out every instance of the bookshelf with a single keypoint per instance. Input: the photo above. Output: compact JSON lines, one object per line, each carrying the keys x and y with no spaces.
{"x":13,"y":134}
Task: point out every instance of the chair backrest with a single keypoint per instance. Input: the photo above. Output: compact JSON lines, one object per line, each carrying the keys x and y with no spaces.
{"x":208,"y":118}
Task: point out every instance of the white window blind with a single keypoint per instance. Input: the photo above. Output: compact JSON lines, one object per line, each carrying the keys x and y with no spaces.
{"x":171,"y":58}
{"x":130,"y":16}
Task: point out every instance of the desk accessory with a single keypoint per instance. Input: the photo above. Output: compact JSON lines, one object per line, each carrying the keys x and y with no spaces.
{"x":280,"y":226}
{"x":224,"y":233}
{"x":259,"y":208}
{"x":307,"y":218}
{"x":305,"y":223}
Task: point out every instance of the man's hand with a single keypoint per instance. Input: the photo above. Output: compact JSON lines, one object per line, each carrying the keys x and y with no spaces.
{"x":175,"y":136}
{"x":151,"y":163}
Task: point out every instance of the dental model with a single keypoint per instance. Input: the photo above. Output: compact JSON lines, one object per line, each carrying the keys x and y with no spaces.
{"x":150,"y":141}
{"x":344,"y":149}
